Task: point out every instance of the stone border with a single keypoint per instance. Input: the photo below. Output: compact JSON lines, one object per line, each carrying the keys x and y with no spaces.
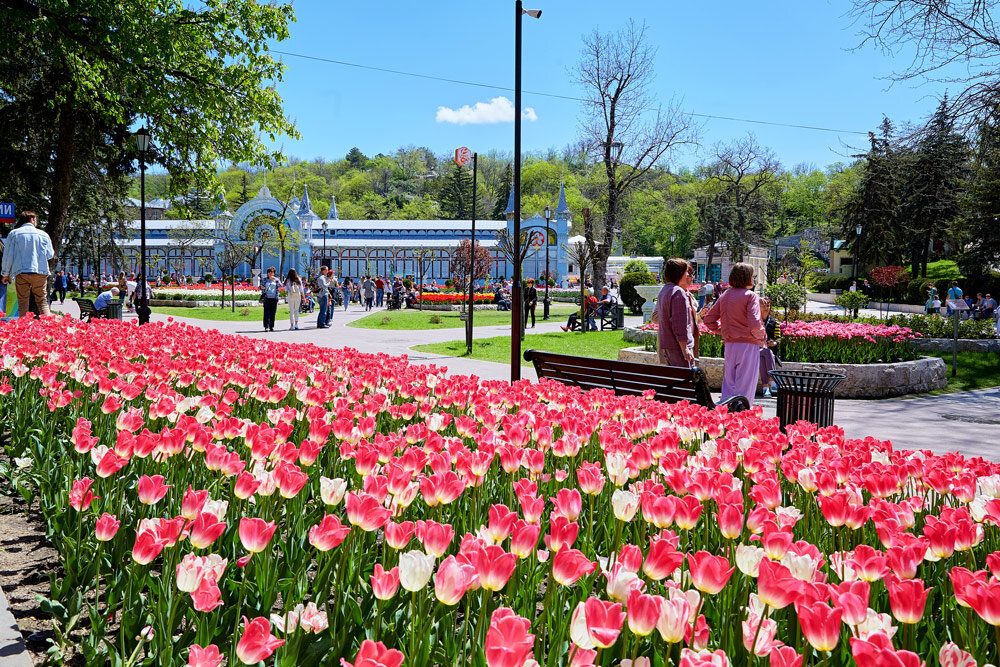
{"x":449,"y":307}
{"x":863,"y":380}
{"x":12,"y":650}
{"x":823,"y":297}
{"x":180,"y":303}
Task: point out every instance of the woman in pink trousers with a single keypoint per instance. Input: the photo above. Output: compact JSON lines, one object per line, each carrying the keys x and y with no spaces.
{"x":736,"y":316}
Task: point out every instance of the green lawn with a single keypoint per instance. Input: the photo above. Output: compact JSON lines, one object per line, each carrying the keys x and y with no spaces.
{"x":448,"y":319}
{"x":601,"y":344}
{"x":216,"y":314}
{"x":976,"y":370}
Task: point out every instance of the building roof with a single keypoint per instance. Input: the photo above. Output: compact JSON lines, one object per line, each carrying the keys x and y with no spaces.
{"x":510,"y":201}
{"x":155,"y":203}
{"x":305,"y":205}
{"x":333,"y":215}
{"x":413,"y":225}
{"x":562,"y":207}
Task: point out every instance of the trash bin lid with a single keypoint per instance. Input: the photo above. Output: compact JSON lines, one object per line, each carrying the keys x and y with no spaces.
{"x":807,"y":380}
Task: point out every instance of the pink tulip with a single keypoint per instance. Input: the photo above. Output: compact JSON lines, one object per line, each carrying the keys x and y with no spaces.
{"x":375,"y":654}
{"x":290,"y":479}
{"x":820,"y":624}
{"x":365,"y":511}
{"x":709,"y":573}
{"x":205,"y":530}
{"x":256,"y":534}
{"x":436,"y":537}
{"x":107,"y":527}
{"x":398,"y":535}
{"x":207,"y":596}
{"x":785,"y":656}
{"x":494,"y":567}
{"x":776,"y":586}
{"x":570,"y":565}
{"x":643,"y":612}
{"x":951,"y":655}
{"x":257,"y":642}
{"x":501,"y":522}
{"x":80,"y":495}
{"x":673,"y":622}
{"x":907,"y":598}
{"x":562,"y":533}
{"x":147,"y":547}
{"x":328,"y":533}
{"x":703,"y":658}
{"x":524,"y":538}
{"x":604,"y":621}
{"x":192,"y":503}
{"x":568,"y":503}
{"x":452,"y":579}
{"x":662,"y":560}
{"x":204,"y":657}
{"x":508,"y":642}
{"x":384,"y":584}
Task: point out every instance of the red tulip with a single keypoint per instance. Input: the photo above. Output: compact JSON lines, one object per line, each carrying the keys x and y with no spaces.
{"x":643,"y":612}
{"x":205,"y":530}
{"x":375,"y":654}
{"x":570,"y":565}
{"x":709,"y":573}
{"x":568,"y":503}
{"x":907,"y":598}
{"x":984,"y":598}
{"x":604,"y":621}
{"x":328,"y":533}
{"x":365,"y":511}
{"x":204,"y":657}
{"x":384,"y":584}
{"x":494,"y":567}
{"x":257,"y":642}
{"x":501,"y":521}
{"x":192,"y":503}
{"x":508,"y":642}
{"x":524,"y":538}
{"x":107,"y":527}
{"x":562,"y":533}
{"x":256,"y":534}
{"x":436,"y":537}
{"x":776,"y":586}
{"x":877,"y":651}
{"x":80,"y":495}
{"x":662,"y":560}
{"x":820,"y":624}
{"x":146,"y":548}
{"x":785,"y":656}
{"x":730,"y":519}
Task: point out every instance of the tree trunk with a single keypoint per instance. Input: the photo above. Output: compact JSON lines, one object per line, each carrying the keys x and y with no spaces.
{"x":62,"y":177}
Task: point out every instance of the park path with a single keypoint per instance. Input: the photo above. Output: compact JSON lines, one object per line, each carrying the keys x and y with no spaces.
{"x":966,"y":422}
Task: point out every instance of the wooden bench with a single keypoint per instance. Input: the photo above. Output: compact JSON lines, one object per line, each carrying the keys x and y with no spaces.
{"x":671,"y":384}
{"x":612,"y":317}
{"x":87,"y":310}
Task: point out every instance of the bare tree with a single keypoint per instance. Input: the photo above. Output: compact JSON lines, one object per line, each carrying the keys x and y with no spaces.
{"x":951,"y":41}
{"x":185,"y":236}
{"x":623,"y":124}
{"x":581,"y":255}
{"x":505,"y":241}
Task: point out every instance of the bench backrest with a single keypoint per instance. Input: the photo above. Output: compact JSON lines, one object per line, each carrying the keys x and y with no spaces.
{"x":625,"y":378}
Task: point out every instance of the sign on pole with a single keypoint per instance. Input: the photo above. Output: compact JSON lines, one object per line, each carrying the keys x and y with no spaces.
{"x":6,"y":214}
{"x":463,"y":156}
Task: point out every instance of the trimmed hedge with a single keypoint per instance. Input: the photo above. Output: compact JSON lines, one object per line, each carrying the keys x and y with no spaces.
{"x":627,"y":287}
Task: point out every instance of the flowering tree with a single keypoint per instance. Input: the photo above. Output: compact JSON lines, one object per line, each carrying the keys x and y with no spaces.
{"x":464,"y":262}
{"x":887,"y":278}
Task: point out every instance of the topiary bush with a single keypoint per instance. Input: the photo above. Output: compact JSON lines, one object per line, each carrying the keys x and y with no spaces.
{"x":852,"y":302}
{"x":789,"y":296}
{"x":627,"y":287}
{"x":636,"y":266}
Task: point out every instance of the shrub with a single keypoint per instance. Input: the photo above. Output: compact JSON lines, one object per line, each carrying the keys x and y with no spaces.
{"x":627,"y":287}
{"x":824,"y":284}
{"x":407,"y":283}
{"x":449,"y":283}
{"x":209,"y":278}
{"x":435,"y":319}
{"x":788,"y":296}
{"x":386,"y":320}
{"x":852,"y":301}
{"x":636,"y":266}
{"x":944,"y":327}
{"x":244,"y":312}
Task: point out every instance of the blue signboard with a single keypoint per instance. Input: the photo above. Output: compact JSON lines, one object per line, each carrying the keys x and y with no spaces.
{"x":6,"y":213}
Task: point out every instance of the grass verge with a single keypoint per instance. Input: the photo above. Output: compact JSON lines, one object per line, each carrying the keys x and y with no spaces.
{"x":976,"y":370}
{"x":601,"y":344}
{"x":447,"y":319}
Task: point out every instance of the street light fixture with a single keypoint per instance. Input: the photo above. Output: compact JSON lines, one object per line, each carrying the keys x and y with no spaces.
{"x":857,"y":246}
{"x":325,"y":225}
{"x":672,"y":238}
{"x":517,"y":307}
{"x":142,"y":142}
{"x":545,"y":305}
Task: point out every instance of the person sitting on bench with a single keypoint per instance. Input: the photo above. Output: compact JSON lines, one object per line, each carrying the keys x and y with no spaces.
{"x":102,"y":300}
{"x":574,"y":318}
{"x":603,"y":306}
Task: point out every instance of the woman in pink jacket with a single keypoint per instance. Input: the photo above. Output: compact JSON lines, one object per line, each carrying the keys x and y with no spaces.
{"x":736,"y":316}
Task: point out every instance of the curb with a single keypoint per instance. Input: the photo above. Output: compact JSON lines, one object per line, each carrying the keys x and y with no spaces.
{"x":12,"y":651}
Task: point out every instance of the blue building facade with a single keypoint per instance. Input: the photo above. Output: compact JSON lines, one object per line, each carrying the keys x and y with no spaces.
{"x":351,"y":248}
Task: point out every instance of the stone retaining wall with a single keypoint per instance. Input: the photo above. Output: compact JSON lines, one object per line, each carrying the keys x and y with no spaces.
{"x":863,"y":380}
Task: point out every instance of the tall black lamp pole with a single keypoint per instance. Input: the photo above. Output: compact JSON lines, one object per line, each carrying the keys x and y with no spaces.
{"x":517,"y":311}
{"x":545,"y":306}
{"x":142,"y":139}
{"x":323,"y":261}
{"x":857,"y":247}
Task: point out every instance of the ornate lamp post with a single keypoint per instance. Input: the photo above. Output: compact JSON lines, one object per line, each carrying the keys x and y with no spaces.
{"x":857,"y":246}
{"x":517,"y":307}
{"x":324,"y":226}
{"x":545,"y":305}
{"x":142,"y":141}
{"x":672,"y":238}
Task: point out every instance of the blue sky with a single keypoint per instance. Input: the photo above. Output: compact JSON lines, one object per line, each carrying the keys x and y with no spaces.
{"x":777,"y":60}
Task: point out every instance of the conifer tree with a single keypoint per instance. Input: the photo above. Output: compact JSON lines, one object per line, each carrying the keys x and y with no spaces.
{"x":456,"y":195}
{"x":982,"y":222}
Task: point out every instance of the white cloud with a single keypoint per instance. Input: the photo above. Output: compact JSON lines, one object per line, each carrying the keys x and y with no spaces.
{"x":498,"y":110}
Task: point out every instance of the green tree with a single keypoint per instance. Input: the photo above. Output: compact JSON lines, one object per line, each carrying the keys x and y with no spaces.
{"x":501,"y":193}
{"x":934,"y":185}
{"x":456,"y":195}
{"x":356,"y":159}
{"x":982,"y":220}
{"x":179,"y":68}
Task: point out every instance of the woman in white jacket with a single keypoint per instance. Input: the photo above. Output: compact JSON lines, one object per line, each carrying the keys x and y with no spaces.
{"x":293,"y":293}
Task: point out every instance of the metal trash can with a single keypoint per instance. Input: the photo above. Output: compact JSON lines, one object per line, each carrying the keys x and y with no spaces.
{"x":114,"y":311}
{"x":619,"y":315}
{"x":806,"y":395}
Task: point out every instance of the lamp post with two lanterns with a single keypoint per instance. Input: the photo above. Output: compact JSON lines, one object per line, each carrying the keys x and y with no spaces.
{"x":142,"y":142}
{"x":548,"y":276}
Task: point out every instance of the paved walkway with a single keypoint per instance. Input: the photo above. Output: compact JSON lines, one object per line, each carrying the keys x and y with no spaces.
{"x":953,"y":422}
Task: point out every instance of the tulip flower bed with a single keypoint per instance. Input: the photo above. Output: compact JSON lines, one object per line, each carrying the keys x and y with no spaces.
{"x":828,"y":342}
{"x":453,"y":298}
{"x":217,"y":497}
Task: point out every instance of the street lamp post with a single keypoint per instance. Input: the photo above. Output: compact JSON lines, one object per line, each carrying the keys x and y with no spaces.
{"x":516,"y":305}
{"x":545,"y":306}
{"x":142,"y":140}
{"x":857,"y":246}
{"x":324,"y":226}
{"x":672,"y":237}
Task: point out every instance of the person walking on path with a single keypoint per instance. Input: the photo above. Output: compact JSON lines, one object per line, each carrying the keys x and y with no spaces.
{"x":705,"y":293}
{"x":736,"y":316}
{"x":678,"y":328}
{"x":346,"y":289}
{"x":954,"y":294}
{"x":61,"y":284}
{"x":322,"y":296}
{"x":293,"y":294}
{"x":368,"y":291}
{"x":768,"y":358}
{"x":379,"y":292}
{"x":269,"y":288}
{"x":26,"y":261}
{"x":530,"y":302}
